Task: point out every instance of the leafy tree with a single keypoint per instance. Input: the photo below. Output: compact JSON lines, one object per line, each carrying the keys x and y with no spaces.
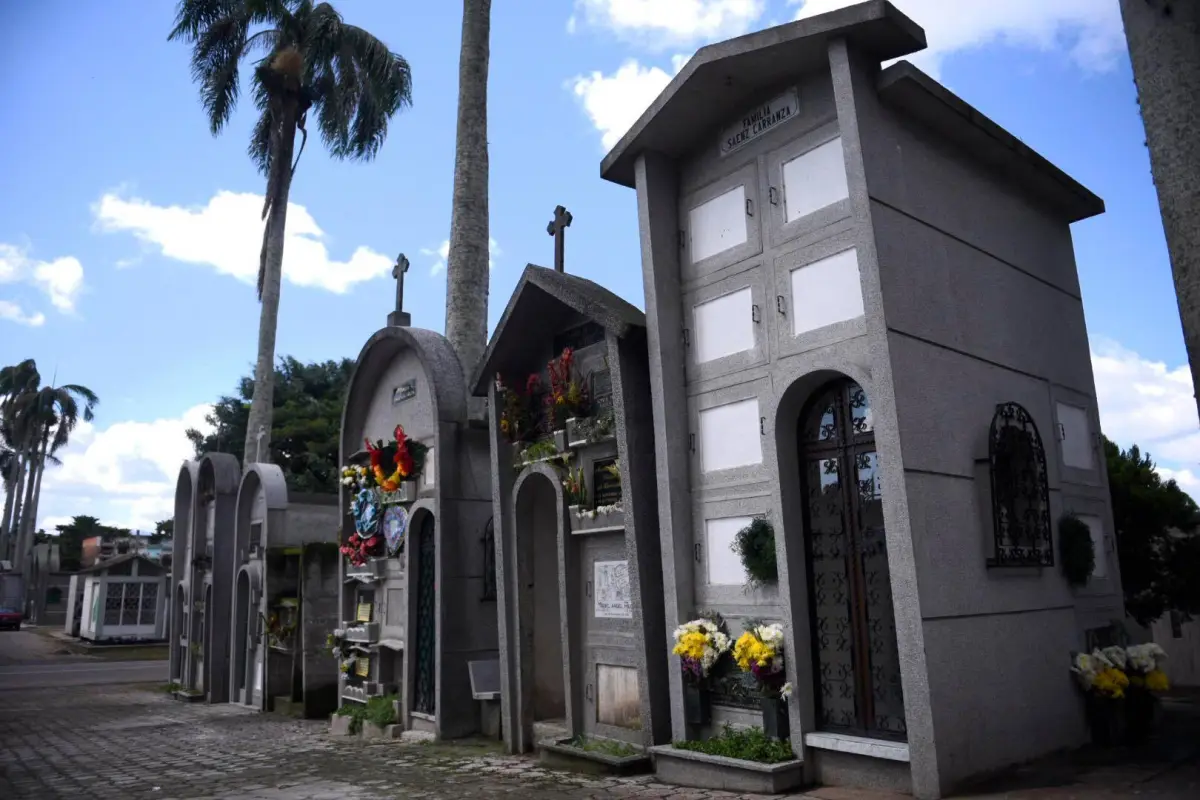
{"x":307,"y":422}
{"x":164,"y":529}
{"x":72,"y":534}
{"x":311,"y":59}
{"x":1158,"y":541}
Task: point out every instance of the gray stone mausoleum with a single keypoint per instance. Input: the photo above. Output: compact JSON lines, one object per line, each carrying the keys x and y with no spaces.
{"x":865,"y":325}
{"x":578,"y":575}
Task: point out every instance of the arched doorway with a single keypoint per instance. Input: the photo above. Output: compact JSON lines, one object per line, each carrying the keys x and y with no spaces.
{"x":425,"y":666}
{"x":241,"y":639}
{"x":537,"y":520}
{"x":856,"y":664}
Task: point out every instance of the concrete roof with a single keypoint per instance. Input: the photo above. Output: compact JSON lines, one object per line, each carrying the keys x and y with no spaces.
{"x":541,"y":297}
{"x":715,"y":84}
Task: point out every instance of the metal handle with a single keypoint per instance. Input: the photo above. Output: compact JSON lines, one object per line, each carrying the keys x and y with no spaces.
{"x":588,"y":692}
{"x":1062,"y":433}
{"x":749,"y":207}
{"x":692,"y":442}
{"x":696,"y":552}
{"x":588,"y":590}
{"x":773,"y":195}
{"x":779,"y":305}
{"x":762,"y":426}
{"x":682,"y":240}
{"x":755,"y":313}
{"x":687,"y":337}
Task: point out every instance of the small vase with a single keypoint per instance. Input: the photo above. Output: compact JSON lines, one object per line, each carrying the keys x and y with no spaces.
{"x":775,"y":718}
{"x":560,"y":441}
{"x":697,"y":705}
{"x":1105,"y":717}
{"x":1140,"y":707}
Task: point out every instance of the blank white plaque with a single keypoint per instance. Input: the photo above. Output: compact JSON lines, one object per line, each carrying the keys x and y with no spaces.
{"x":814,"y":180}
{"x":729,"y":436}
{"x":724,"y":566}
{"x":826,"y":291}
{"x":724,"y":326}
{"x":718,"y":224}
{"x":1076,"y":436}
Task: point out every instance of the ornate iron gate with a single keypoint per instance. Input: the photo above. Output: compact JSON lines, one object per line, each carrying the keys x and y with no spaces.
{"x":853,"y":623}
{"x":425,"y":697}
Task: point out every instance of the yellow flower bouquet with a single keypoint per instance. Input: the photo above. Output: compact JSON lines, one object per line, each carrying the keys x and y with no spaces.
{"x":759,"y":651}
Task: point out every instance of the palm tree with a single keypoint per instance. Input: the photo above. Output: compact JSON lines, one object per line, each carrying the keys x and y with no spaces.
{"x":467,"y":274}
{"x":16,"y":382}
{"x":311,"y":59}
{"x":49,"y":415}
{"x":1164,"y":49}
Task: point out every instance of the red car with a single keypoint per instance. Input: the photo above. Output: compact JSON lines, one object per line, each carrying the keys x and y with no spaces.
{"x":10,"y":618}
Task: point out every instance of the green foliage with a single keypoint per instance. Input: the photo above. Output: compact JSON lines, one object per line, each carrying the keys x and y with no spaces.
{"x":1157,"y":543}
{"x":72,"y":534}
{"x":377,"y":711}
{"x":750,"y":744}
{"x":608,"y":747}
{"x":306,"y":424}
{"x":755,"y":545}
{"x":1076,"y":550}
{"x":543,"y":448}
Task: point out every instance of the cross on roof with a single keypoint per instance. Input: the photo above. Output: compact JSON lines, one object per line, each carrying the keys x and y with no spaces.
{"x":398,"y":273}
{"x":558,"y":229}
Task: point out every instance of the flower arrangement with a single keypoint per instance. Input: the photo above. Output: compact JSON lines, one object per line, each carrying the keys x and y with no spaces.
{"x":759,"y":651}
{"x":575,"y":487}
{"x":516,"y":422}
{"x":700,"y":644}
{"x":403,"y":457}
{"x":279,"y":634}
{"x":1099,"y":675}
{"x":598,"y":511}
{"x":357,"y":477}
{"x":567,"y":396}
{"x":1144,"y":665}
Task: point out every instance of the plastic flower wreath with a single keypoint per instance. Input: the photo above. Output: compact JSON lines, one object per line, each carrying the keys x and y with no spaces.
{"x":404,"y":458}
{"x":759,"y":651}
{"x":700,"y":645}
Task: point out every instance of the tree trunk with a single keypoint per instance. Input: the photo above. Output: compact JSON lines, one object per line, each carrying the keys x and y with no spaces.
{"x":25,"y":521}
{"x":262,"y":405}
{"x":36,"y":478}
{"x":467,"y":271}
{"x":1164,"y":47}
{"x":10,"y":491}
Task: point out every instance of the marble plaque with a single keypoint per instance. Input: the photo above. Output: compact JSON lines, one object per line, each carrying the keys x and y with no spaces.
{"x":718,"y":224}
{"x":617,"y":698}
{"x":826,"y":291}
{"x":1076,"y":438}
{"x":612,"y":597}
{"x":724,"y":325}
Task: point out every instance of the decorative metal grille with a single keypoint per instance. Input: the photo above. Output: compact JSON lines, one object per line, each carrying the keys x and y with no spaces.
{"x":579,"y":337}
{"x":131,"y":604}
{"x":1020,"y":493}
{"x":606,"y":487}
{"x":489,"y":561}
{"x":853,"y":623}
{"x":149,"y":613}
{"x":113,"y":595}
{"x":425,"y":698}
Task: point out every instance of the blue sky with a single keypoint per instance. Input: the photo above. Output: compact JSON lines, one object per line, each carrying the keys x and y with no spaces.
{"x":129,"y":235}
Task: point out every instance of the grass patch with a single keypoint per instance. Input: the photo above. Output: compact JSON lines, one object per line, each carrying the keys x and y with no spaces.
{"x":608,"y":747}
{"x":147,"y":653}
{"x":170,"y":688}
{"x":749,"y":744}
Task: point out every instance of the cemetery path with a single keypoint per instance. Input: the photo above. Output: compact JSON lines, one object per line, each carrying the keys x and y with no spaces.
{"x":132,"y":743}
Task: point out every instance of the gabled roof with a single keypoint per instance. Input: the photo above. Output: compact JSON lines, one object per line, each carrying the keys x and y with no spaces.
{"x":714,"y":85}
{"x":539,"y":294}
{"x":100,"y":566}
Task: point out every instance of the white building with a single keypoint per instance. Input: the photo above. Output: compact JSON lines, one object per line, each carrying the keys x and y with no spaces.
{"x":123,"y":598}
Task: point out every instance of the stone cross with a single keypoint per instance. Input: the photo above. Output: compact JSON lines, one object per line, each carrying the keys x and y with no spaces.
{"x":558,"y":229}
{"x":398,"y":273}
{"x":258,"y":437}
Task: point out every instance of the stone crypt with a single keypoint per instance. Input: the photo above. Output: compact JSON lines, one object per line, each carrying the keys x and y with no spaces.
{"x":418,"y":600}
{"x":579,"y":578}
{"x":865,"y":330}
{"x":286,"y":589}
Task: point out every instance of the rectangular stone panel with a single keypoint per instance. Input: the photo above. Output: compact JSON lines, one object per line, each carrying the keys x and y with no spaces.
{"x":1074,"y":433}
{"x":611,"y":594}
{"x":724,"y":325}
{"x":729,"y":436}
{"x":724,"y":566}
{"x":826,"y":291}
{"x":718,"y":224}
{"x":814,"y":180}
{"x":617,"y":697}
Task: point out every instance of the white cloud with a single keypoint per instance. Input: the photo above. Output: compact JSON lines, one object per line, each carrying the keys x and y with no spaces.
{"x":659,"y":24}
{"x":441,"y":255}
{"x":614,"y":102}
{"x":128,"y":469}
{"x":1091,"y":31}
{"x":61,"y":280}
{"x":14,"y":313}
{"x":226,"y":235}
{"x":1149,"y":404}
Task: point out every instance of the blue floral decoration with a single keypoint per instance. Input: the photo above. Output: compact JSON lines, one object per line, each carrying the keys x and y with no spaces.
{"x":366,"y":512}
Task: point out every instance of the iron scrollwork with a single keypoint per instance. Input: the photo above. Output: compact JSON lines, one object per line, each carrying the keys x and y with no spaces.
{"x":426,"y":656}
{"x":1020,"y":491}
{"x":489,"y":561}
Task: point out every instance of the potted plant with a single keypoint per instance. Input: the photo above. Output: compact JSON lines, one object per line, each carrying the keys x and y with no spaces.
{"x":759,"y":651}
{"x":700,"y":645}
{"x":1144,"y":666}
{"x":567,"y":396}
{"x":1076,"y":550}
{"x":1103,"y":685}
{"x":575,"y":489}
{"x":755,"y":546}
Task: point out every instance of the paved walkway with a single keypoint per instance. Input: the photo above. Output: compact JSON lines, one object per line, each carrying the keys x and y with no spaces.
{"x":132,"y":743}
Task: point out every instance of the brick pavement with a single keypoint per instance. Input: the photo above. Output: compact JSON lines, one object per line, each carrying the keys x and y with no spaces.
{"x":132,"y":743}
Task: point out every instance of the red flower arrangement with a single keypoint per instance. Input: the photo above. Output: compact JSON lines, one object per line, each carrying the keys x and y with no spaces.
{"x":358,"y":549}
{"x":567,"y":396}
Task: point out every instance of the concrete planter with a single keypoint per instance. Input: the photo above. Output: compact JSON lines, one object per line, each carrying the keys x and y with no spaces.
{"x":560,"y":440}
{"x":370,"y":572}
{"x":366,"y":632}
{"x":700,"y":770}
{"x":560,"y":755}
{"x":582,"y":524}
{"x":580,"y":432}
{"x":405,"y":494}
{"x":372,"y":731}
{"x":339,"y":725}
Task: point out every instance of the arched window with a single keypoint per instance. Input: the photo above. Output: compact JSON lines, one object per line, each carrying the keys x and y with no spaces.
{"x":1020,"y":493}
{"x":856,"y":659}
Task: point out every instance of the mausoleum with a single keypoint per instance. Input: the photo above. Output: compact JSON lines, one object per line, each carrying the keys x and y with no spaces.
{"x":417,"y":608}
{"x":285,"y":597}
{"x":865,"y":330}
{"x":202,"y":576}
{"x":578,"y":576}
